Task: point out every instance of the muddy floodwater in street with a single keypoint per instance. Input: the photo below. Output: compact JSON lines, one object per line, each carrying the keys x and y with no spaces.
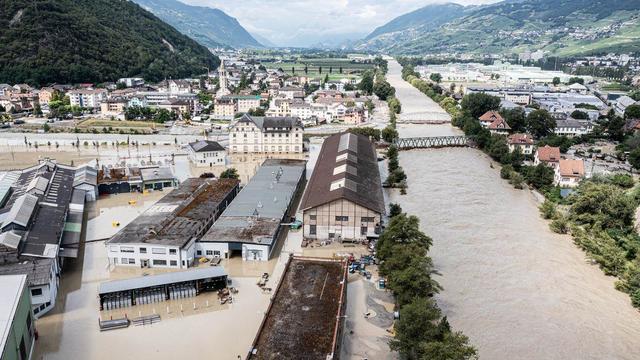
{"x":515,"y":288}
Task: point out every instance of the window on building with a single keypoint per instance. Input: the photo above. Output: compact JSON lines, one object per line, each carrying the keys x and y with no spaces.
{"x":36,"y":292}
{"x":363,"y":230}
{"x":160,"y":251}
{"x":125,"y":261}
{"x":342,"y":218}
{"x":209,"y":252}
{"x":172,"y":251}
{"x":113,"y":248}
{"x":173,"y":263}
{"x":132,"y":261}
{"x":368,"y":219}
{"x":216,"y":253}
{"x":29,"y":323}
{"x":143,"y":250}
{"x":127,"y":249}
{"x":159,"y":262}
{"x":312,"y":217}
{"x":312,"y":230}
{"x":199,"y":252}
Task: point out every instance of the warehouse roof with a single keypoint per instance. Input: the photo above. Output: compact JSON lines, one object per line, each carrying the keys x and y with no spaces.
{"x":161,"y":279}
{"x":347,"y":168}
{"x":179,"y":216}
{"x":255,"y":214}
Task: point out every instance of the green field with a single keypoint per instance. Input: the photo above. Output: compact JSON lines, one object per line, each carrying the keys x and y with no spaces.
{"x":336,"y":68}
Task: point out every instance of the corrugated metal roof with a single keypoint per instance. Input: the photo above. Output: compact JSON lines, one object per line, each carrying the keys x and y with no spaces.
{"x":21,"y":210}
{"x":161,"y":279}
{"x":38,"y":185}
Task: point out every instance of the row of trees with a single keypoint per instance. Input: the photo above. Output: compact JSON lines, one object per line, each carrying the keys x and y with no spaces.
{"x":421,"y":331}
{"x":150,"y":114}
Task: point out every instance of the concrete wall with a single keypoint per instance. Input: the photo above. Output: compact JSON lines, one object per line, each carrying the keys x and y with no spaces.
{"x":326,"y":223}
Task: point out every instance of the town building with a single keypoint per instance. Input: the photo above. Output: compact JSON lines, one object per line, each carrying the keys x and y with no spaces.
{"x":165,"y":234}
{"x":34,"y":226}
{"x":288,"y":329}
{"x":45,"y":94}
{"x":17,"y":329}
{"x":178,"y":106}
{"x":224,"y":107}
{"x":252,"y":134}
{"x":522,"y":142}
{"x":131,"y":82}
{"x":572,"y":127}
{"x":489,"y":117}
{"x":206,"y":153}
{"x":344,"y":200}
{"x":87,"y":98}
{"x":548,"y":155}
{"x":569,"y":173}
{"x":291,"y":92}
{"x":499,"y":126}
{"x":252,"y":226}
{"x":223,"y":81}
{"x":245,"y":103}
{"x":622,"y":103}
{"x":124,"y":179}
{"x":113,"y":107}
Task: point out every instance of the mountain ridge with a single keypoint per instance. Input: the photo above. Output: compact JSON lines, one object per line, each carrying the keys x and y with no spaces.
{"x":74,"y":41}
{"x":211,"y":27}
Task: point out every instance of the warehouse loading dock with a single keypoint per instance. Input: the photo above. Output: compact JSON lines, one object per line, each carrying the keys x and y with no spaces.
{"x":158,"y":288}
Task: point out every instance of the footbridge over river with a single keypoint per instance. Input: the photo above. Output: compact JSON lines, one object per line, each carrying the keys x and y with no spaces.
{"x":431,"y":142}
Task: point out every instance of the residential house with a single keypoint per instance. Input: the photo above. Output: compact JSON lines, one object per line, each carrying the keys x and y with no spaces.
{"x":499,"y":126}
{"x":569,"y":173}
{"x":523,"y":142}
{"x":489,"y":117}
{"x":224,"y":107}
{"x":291,"y":92}
{"x":113,"y":107}
{"x":87,"y":98}
{"x":176,"y":105}
{"x":623,"y":103}
{"x":252,"y":134}
{"x":572,"y":127}
{"x":246,"y":102}
{"x":354,"y":116}
{"x":547,"y":155}
{"x":206,"y":153}
{"x":45,"y":94}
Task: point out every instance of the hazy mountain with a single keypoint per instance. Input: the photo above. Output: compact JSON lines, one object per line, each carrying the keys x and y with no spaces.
{"x":263,"y":40}
{"x":210,"y":27}
{"x":558,"y":26}
{"x":71,"y":41}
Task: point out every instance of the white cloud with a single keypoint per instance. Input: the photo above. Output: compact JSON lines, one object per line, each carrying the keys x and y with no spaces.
{"x":305,"y":22}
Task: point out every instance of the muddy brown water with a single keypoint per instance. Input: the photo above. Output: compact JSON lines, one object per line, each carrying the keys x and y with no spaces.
{"x":515,"y":288}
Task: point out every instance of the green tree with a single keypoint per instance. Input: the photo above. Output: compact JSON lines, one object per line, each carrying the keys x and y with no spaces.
{"x":580,"y":115}
{"x":476,"y":104}
{"x":417,"y":323}
{"x":46,"y":127}
{"x":516,"y":118}
{"x":634,"y":158}
{"x":230,"y":173}
{"x":394,"y":210}
{"x":389,"y":134}
{"x":539,"y":176}
{"x":435,"y":77}
{"x":632,"y":112}
{"x":383,"y":89}
{"x":366,"y":82}
{"x":37,"y":110}
{"x":540,"y":123}
{"x":556,"y":81}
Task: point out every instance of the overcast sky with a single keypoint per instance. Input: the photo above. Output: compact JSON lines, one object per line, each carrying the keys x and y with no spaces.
{"x":307,"y":22}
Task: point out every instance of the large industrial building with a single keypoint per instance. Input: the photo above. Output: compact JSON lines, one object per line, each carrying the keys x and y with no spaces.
{"x":344,"y":198}
{"x":40,"y":225}
{"x":305,"y":317}
{"x":252,"y":224}
{"x":165,"y":235}
{"x":16,"y":320}
{"x":116,"y":180}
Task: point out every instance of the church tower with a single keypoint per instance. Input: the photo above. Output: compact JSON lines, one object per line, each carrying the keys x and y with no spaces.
{"x":222,"y":80}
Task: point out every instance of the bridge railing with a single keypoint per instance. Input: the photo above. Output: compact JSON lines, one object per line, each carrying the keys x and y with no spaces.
{"x":431,"y":142}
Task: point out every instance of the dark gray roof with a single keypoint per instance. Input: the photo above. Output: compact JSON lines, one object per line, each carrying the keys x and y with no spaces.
{"x":206,"y":145}
{"x":161,"y":279}
{"x":273,"y":123}
{"x":254,"y":215}
{"x":349,"y":162}
{"x":184,"y":213}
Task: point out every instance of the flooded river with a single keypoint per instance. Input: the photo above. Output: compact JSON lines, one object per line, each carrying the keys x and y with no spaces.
{"x":515,"y":288}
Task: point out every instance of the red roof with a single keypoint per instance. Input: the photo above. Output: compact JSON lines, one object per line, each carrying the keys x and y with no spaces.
{"x":520,"y":139}
{"x":571,"y":167}
{"x":499,"y":124}
{"x":490,"y":116}
{"x":549,"y":154}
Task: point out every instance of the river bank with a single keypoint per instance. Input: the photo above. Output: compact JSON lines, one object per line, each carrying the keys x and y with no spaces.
{"x":515,"y":288}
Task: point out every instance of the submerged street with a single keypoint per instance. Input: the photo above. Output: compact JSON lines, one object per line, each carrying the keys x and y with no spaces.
{"x":515,"y":288}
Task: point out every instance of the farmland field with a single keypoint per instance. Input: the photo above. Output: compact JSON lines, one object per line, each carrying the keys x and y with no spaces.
{"x":336,"y":68}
